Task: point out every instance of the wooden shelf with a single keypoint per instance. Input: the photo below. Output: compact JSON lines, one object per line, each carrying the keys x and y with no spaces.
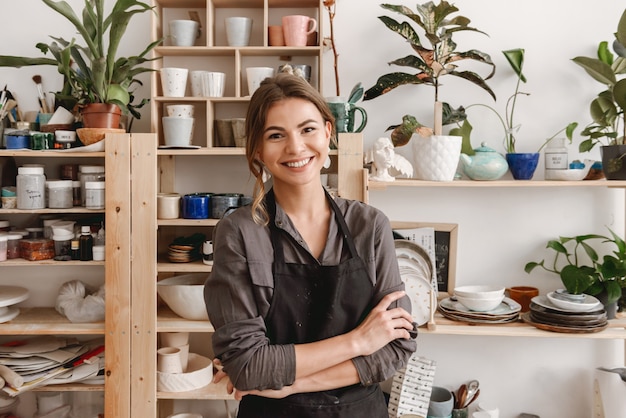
{"x":212,"y":391}
{"x":168,"y":321}
{"x":47,"y":321}
{"x":74,"y":210}
{"x":214,"y":151}
{"x":187,"y":222}
{"x":48,"y":154}
{"x":21,"y":262}
{"x":382,"y":185}
{"x":444,"y":326}
{"x":198,"y":266}
{"x":70,"y":388}
{"x":229,"y":51}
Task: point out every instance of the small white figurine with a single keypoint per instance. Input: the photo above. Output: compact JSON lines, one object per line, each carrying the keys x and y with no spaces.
{"x":384,"y":158}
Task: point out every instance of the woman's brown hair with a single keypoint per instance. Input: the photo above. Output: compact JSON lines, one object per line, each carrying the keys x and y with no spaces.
{"x":272,"y":90}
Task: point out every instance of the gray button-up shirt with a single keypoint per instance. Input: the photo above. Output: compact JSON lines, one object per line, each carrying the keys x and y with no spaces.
{"x":239,"y":290}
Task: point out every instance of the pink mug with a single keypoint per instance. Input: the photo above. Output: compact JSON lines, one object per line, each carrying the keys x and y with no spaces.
{"x":297,"y":28}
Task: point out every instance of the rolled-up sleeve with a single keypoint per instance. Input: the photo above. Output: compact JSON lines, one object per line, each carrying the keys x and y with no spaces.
{"x":240,"y":339}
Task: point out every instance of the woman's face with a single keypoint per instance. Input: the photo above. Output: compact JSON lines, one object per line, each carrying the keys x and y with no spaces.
{"x":295,"y":142}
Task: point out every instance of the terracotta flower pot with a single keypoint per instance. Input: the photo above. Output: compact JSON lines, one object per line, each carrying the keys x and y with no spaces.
{"x":101,"y":115}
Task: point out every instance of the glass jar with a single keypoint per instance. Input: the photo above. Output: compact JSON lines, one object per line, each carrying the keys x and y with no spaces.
{"x":30,"y":186}
{"x":89,"y":173}
{"x":60,"y":194}
{"x":556,"y":157}
{"x":13,"y":246}
{"x":94,"y":198}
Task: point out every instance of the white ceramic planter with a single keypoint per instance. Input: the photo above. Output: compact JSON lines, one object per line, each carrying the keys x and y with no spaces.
{"x":436,"y":158}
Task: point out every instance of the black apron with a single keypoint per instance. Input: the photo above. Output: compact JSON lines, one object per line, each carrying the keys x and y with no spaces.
{"x":310,"y":303}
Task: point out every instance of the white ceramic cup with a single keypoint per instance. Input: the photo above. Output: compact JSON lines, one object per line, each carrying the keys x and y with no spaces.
{"x":174,"y":339}
{"x":441,"y":403}
{"x":256,"y":75}
{"x":177,"y":132}
{"x":213,"y":84}
{"x":197,"y":82}
{"x":296,"y":29}
{"x":180,"y":110}
{"x":238,"y":30}
{"x":168,"y":207}
{"x":174,"y":81}
{"x":168,"y":360}
{"x":183,"y":32}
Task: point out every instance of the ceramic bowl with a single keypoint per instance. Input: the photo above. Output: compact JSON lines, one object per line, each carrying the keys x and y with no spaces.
{"x":479,"y":291}
{"x":199,"y":374}
{"x":480,"y":304}
{"x":185,"y":295}
{"x":572,"y":174}
{"x":90,"y":136}
{"x":589,"y":303}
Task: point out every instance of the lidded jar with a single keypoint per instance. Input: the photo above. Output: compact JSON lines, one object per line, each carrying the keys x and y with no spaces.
{"x":60,"y":194}
{"x":89,"y":173}
{"x":31,"y":187}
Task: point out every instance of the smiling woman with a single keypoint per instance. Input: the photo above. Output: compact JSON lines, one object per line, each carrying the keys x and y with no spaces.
{"x":305,"y":292}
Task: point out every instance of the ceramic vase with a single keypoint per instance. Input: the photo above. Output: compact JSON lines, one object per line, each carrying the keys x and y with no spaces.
{"x":436,"y":157}
{"x":614,"y":162}
{"x":522,"y":165}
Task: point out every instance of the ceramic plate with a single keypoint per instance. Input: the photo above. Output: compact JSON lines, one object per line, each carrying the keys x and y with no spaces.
{"x":508,"y":306}
{"x":588,"y":304}
{"x":526,"y":317}
{"x":416,"y":272}
{"x":10,"y":295}
{"x":542,"y":300}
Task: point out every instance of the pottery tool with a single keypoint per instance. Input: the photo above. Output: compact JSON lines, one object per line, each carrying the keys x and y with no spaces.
{"x":42,"y":97}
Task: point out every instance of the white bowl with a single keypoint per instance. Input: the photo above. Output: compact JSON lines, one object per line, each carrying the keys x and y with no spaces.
{"x":199,"y":374}
{"x":185,"y":295}
{"x":480,"y":304}
{"x":572,"y":174}
{"x":588,"y":304}
{"x":479,"y":291}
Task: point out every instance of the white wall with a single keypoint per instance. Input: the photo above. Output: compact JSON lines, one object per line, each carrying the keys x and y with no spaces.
{"x":499,"y":229}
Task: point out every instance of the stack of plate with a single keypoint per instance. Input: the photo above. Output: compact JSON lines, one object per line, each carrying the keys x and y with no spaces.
{"x":551,"y":313}
{"x":416,"y":271}
{"x":180,"y":253}
{"x":10,"y":295}
{"x":507,"y":311}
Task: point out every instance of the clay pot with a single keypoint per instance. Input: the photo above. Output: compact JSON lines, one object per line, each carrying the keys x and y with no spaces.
{"x":101,"y":115}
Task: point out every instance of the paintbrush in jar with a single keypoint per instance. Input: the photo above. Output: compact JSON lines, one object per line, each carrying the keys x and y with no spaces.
{"x":42,"y":97}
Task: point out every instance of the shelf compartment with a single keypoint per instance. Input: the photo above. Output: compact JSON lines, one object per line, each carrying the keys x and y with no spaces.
{"x":47,"y":321}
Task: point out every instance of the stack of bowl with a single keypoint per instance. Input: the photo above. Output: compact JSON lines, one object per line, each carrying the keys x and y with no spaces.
{"x":479,"y":298}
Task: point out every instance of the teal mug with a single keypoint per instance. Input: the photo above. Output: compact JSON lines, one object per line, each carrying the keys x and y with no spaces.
{"x":345,"y":114}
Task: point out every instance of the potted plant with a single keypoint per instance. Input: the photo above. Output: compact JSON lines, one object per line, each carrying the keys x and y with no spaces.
{"x":521,"y":164}
{"x":583,"y":270}
{"x":439,"y":58}
{"x":608,"y":128}
{"x":94,"y":77}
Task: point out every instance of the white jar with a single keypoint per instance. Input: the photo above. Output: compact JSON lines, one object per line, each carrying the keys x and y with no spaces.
{"x":89,"y":173}
{"x":59,"y":194}
{"x":555,"y":157}
{"x":31,"y":188}
{"x":94,"y":195}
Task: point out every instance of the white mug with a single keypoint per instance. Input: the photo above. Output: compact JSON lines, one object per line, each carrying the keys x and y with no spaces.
{"x":213,"y":84}
{"x":180,"y":110}
{"x":177,"y":132}
{"x":174,"y":81}
{"x":256,"y":75}
{"x":168,"y":207}
{"x":238,"y":30}
{"x":183,"y":32}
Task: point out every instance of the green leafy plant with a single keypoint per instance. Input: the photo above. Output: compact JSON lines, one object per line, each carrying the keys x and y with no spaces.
{"x":600,"y":273}
{"x":91,"y":70}
{"x":439,"y":58}
{"x":607,"y":109}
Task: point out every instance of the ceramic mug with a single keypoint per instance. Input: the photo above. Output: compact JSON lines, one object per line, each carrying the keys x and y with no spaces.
{"x":168,"y":360}
{"x":441,"y":402}
{"x":177,"y":132}
{"x":275,"y":36}
{"x":238,"y":30}
{"x":180,"y":111}
{"x":523,"y":295}
{"x":256,"y":75}
{"x":224,"y":133}
{"x":174,"y":81}
{"x":213,"y":84}
{"x":239,"y":131}
{"x":184,"y":32}
{"x":297,"y":28}
{"x":197,"y":82}
{"x":344,"y":113}
{"x":168,"y":207}
{"x":196,"y":205}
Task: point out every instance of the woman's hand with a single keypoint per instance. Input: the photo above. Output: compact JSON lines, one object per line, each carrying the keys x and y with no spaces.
{"x":239,"y":394}
{"x":383,"y":325}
